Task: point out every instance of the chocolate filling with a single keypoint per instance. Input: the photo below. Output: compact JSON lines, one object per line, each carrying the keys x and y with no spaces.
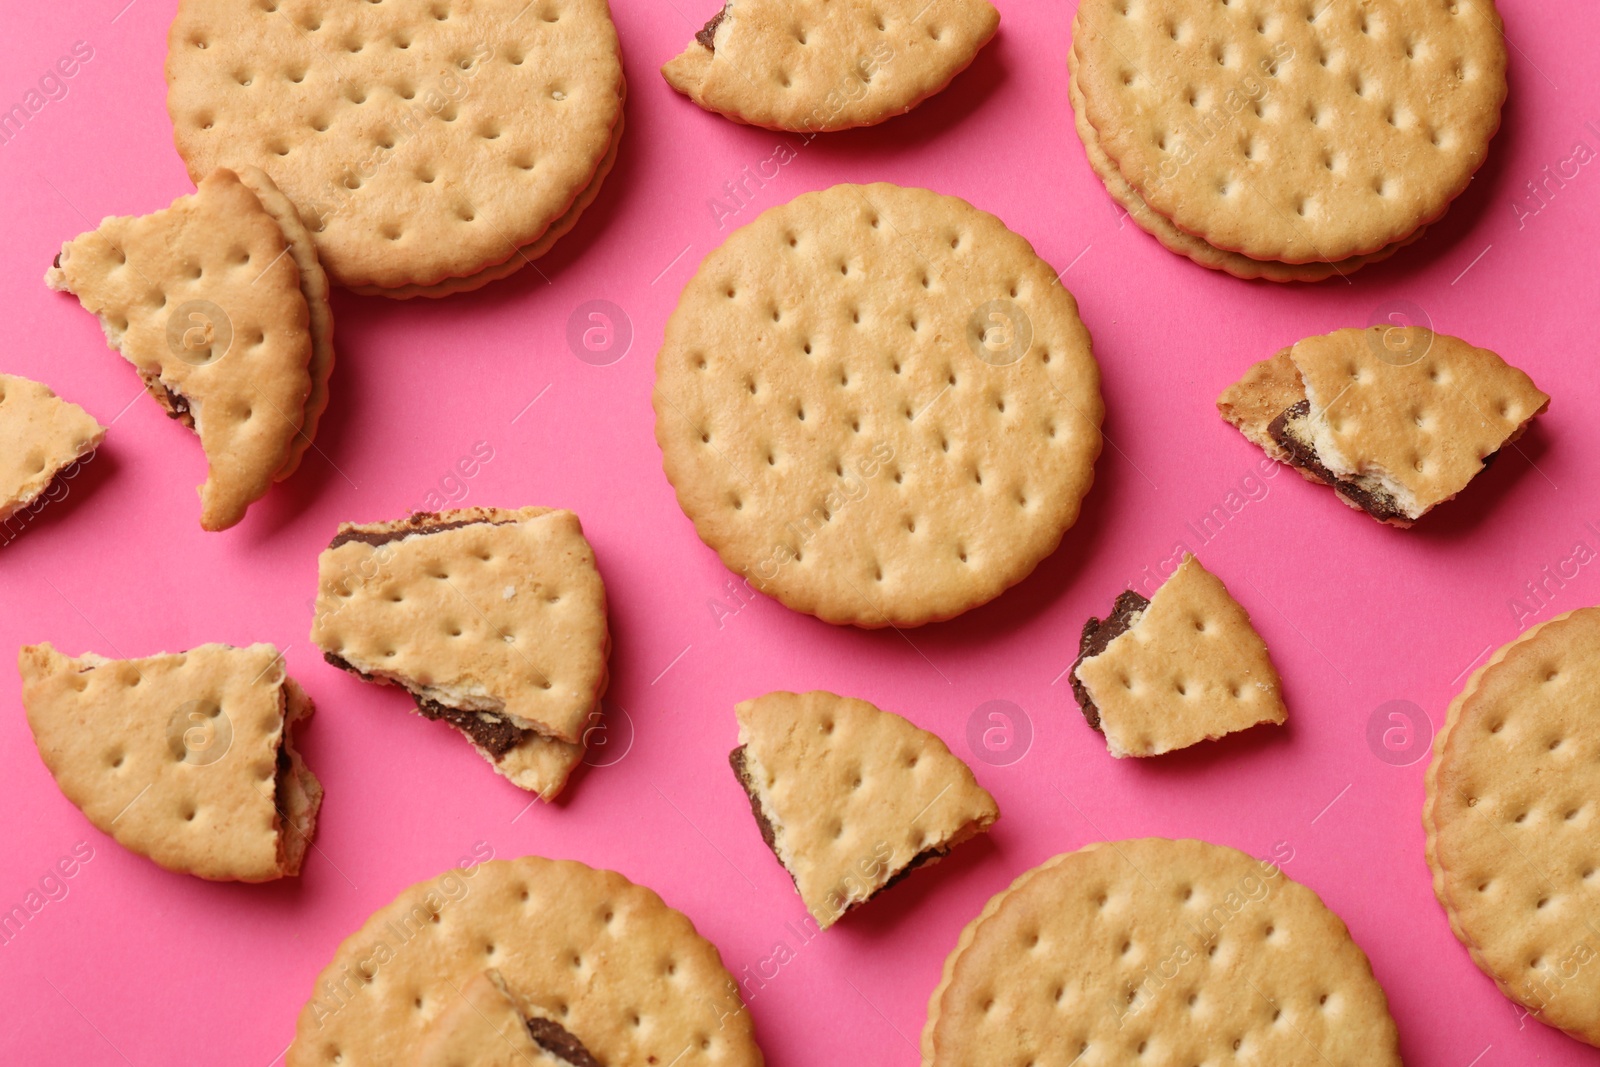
{"x":1096,"y":636}
{"x":384,"y":537}
{"x":709,"y":32}
{"x":1288,"y":431}
{"x":560,"y":1043}
{"x":490,"y":732}
{"x":742,"y":771}
{"x":58,"y":261}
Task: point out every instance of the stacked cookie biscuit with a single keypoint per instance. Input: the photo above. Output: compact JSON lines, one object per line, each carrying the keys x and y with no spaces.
{"x":1272,"y":139}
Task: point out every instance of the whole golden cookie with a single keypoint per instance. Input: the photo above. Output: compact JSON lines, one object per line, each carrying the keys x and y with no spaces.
{"x":1289,"y":131}
{"x":879,"y":405}
{"x":622,"y":971}
{"x":1512,"y":812}
{"x":817,"y":65}
{"x":423,"y":141}
{"x":1175,"y":240}
{"x":1161,"y":953}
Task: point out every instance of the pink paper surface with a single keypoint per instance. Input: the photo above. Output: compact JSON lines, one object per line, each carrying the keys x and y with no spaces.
{"x":136,"y":965}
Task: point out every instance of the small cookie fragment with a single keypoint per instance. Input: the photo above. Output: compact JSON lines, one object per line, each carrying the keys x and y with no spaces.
{"x":851,"y":799}
{"x":1162,"y":952}
{"x":811,"y":66}
{"x":1513,"y":806}
{"x":186,"y":758}
{"x":488,"y":1024}
{"x":878,"y":405}
{"x":1287,"y":136}
{"x":628,"y":979}
{"x":209,"y":300}
{"x":493,"y":619}
{"x":1396,"y":419}
{"x":40,"y":436}
{"x":430,"y":147}
{"x":1183,"y":667}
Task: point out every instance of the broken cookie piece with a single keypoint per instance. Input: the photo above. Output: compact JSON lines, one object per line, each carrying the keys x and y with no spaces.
{"x":849,"y":798}
{"x":220,"y":304}
{"x":488,"y":1024}
{"x":1183,"y":667}
{"x":41,"y":435}
{"x":186,"y":758}
{"x":1395,"y":419}
{"x":811,"y":66}
{"x":494,"y":620}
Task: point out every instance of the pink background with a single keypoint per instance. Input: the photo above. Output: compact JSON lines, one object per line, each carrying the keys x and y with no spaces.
{"x":140,"y":966}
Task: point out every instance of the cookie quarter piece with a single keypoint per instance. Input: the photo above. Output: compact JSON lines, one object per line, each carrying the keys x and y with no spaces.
{"x":1512,"y":812}
{"x":878,"y":405}
{"x":205,"y":299}
{"x":1168,"y":953}
{"x":1290,"y":137}
{"x":560,"y":935}
{"x":849,"y":798}
{"x":186,"y":758}
{"x":40,"y":436}
{"x":431,"y":147}
{"x":1396,"y":419}
{"x":494,"y":620}
{"x":488,"y":1024}
{"x":811,"y":66}
{"x":1183,"y":667}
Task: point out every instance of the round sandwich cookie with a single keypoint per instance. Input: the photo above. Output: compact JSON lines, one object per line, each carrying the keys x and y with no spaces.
{"x":431,"y":146}
{"x":1513,"y":802}
{"x":1162,"y":953}
{"x":811,"y":66}
{"x":598,"y":968}
{"x":878,"y":405}
{"x":1309,"y":140}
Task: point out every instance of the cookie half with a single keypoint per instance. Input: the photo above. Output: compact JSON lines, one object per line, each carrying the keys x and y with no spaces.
{"x":186,"y":758}
{"x":630,"y":976}
{"x":1288,"y":135}
{"x":811,"y":66}
{"x":1512,"y":811}
{"x":489,"y":1024}
{"x":1157,"y":951}
{"x":1396,"y":419}
{"x":1182,"y":667}
{"x":209,"y":301}
{"x":493,"y":619}
{"x":40,"y":436}
{"x":878,"y":405}
{"x":849,"y":798}
{"x":430,"y":146}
